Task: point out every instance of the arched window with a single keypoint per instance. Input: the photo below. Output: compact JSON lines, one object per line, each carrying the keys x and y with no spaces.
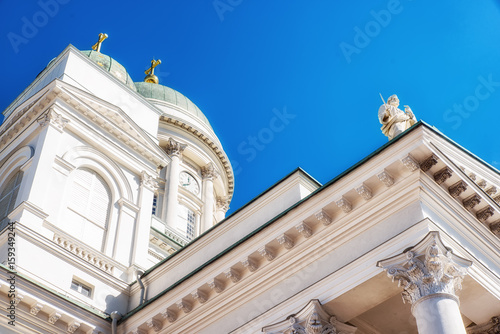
{"x":8,"y":197}
{"x":88,"y":208}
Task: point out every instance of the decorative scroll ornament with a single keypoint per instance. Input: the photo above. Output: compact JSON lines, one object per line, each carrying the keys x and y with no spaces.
{"x":386,"y":178}
{"x":312,"y":319}
{"x":427,"y":268}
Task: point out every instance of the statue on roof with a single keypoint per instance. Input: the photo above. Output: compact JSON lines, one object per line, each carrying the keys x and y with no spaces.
{"x":394,"y":120}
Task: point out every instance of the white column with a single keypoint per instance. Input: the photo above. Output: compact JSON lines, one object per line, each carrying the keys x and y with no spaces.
{"x":431,"y":275}
{"x":222,"y":207}
{"x":171,"y":200}
{"x":209,"y":174}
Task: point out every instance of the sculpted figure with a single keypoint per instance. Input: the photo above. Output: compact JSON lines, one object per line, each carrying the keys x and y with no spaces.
{"x":394,"y":121}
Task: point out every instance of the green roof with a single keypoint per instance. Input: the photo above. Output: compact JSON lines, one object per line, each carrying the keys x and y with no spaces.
{"x":167,"y":94}
{"x":112,"y":66}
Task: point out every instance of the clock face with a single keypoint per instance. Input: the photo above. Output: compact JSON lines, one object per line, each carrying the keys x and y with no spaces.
{"x":188,"y":182}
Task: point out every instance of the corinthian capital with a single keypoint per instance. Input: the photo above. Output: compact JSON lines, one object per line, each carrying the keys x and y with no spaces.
{"x":174,"y":148}
{"x":209,"y":172}
{"x":427,"y":268}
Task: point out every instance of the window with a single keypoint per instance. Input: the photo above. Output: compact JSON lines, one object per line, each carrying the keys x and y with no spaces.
{"x":88,"y":208}
{"x":8,"y":196}
{"x":188,"y":219}
{"x":81,"y":288}
{"x":155,"y":205}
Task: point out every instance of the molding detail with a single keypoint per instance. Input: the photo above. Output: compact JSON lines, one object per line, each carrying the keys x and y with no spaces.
{"x":386,"y":178}
{"x":267,"y":253}
{"x":250,"y":264}
{"x":209,"y":172}
{"x":491,"y":327}
{"x":443,"y":175}
{"x":482,"y":184}
{"x":304,"y":229}
{"x":456,"y":189}
{"x":286,"y":241}
{"x":428,"y":163}
{"x":35,"y":308}
{"x":344,"y":204}
{"x":157,"y":325}
{"x":312,"y":319}
{"x":471,"y":201}
{"x":427,"y":268}
{"x":364,"y":191}
{"x":491,"y":190}
{"x":171,"y":316}
{"x":17,"y":299}
{"x":54,"y":317}
{"x":54,"y":119}
{"x":73,"y":326}
{"x":485,"y":213}
{"x":216,"y":285}
{"x":323,"y":217}
{"x":410,"y":163}
{"x":233,"y":275}
{"x":184,"y":305}
{"x":149,"y":181}
{"x":174,"y":148}
{"x":199,"y":296}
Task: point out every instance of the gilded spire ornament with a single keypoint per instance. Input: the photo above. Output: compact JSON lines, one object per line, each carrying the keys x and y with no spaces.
{"x":151,"y":77}
{"x":97,"y":46}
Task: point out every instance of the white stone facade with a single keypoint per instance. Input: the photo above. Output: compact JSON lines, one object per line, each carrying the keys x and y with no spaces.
{"x":117,"y":203}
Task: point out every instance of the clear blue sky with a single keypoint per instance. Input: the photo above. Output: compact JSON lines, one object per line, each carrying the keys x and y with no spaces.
{"x":322,"y":63}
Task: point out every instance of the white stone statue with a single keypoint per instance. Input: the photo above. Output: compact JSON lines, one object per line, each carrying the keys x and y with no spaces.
{"x":394,"y":121}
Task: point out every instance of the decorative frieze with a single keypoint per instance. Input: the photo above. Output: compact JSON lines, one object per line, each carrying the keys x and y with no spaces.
{"x":364,"y":191}
{"x":169,"y":315}
{"x":285,"y":241}
{"x":410,"y":163}
{"x":216,"y":285}
{"x":304,"y":229}
{"x":312,"y":319}
{"x":250,"y":264}
{"x":267,"y":253}
{"x":73,"y":326}
{"x":428,"y":163}
{"x":233,"y":275}
{"x":323,"y":217}
{"x":174,"y":148}
{"x":442,"y":175}
{"x":427,"y":268}
{"x":184,"y":306}
{"x":155,"y":324}
{"x":485,"y":213}
{"x":199,"y":295}
{"x":344,"y":204}
{"x":457,"y":188}
{"x":53,"y":317}
{"x":386,"y":178}
{"x":471,"y":201}
{"x":209,"y":172}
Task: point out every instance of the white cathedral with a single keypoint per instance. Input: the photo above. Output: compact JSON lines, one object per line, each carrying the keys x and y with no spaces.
{"x":113,"y":196}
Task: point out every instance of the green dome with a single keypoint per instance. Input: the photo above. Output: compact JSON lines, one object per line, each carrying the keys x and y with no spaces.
{"x":167,"y":94}
{"x":112,"y":66}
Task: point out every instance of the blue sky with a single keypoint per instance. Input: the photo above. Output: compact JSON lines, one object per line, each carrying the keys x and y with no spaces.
{"x":286,"y":83}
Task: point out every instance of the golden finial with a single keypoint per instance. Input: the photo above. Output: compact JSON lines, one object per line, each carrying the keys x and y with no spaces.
{"x":151,"y":77}
{"x":97,"y":46}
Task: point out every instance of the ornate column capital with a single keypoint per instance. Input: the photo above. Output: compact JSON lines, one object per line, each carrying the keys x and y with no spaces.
{"x":427,"y":268}
{"x":149,"y":181}
{"x":223,"y":203}
{"x":174,"y":148}
{"x":312,"y":319}
{"x":209,"y":172}
{"x":491,"y":327}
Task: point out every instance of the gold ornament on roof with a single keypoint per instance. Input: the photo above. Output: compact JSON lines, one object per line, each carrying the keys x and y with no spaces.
{"x":97,"y":46}
{"x":151,"y":77}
